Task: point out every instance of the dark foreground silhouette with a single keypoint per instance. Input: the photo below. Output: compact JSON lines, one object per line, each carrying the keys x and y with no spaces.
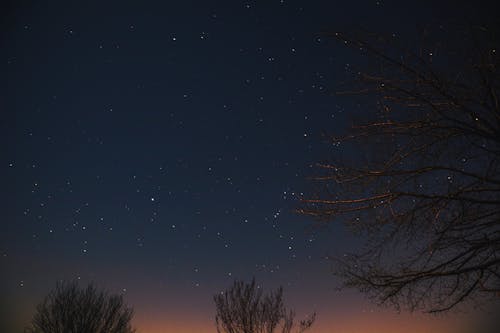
{"x":69,"y":308}
{"x":245,"y":309}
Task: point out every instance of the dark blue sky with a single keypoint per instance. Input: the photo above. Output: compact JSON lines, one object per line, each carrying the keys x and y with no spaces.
{"x":158,"y":148}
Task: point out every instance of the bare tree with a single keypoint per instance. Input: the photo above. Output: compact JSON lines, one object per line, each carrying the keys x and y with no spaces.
{"x":69,"y":308}
{"x":244,"y":309}
{"x":421,"y":177}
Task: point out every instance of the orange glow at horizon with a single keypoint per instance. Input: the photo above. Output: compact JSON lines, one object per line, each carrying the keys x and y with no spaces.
{"x":375,"y":322}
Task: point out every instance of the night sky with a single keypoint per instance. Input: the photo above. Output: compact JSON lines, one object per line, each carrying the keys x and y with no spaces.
{"x":159,"y":149}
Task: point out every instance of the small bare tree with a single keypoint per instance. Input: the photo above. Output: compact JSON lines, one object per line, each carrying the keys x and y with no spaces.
{"x":421,"y":177}
{"x":244,"y":309}
{"x":69,"y":308}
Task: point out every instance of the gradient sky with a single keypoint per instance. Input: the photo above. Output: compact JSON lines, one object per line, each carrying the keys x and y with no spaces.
{"x":158,"y":148}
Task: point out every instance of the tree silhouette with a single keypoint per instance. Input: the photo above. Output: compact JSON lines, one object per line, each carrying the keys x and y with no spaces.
{"x":69,"y":308}
{"x":421,"y":180}
{"x":245,"y":309}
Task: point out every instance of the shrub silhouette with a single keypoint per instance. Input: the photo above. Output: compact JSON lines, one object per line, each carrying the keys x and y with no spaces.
{"x":69,"y":308}
{"x":244,"y":309}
